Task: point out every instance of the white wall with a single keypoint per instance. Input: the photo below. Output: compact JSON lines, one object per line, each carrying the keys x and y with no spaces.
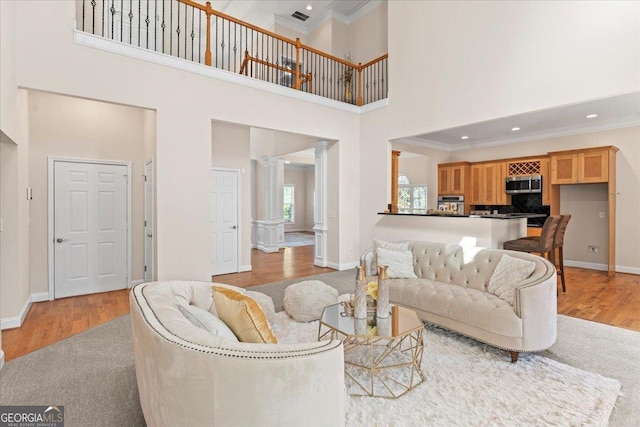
{"x":585,"y":202}
{"x":183,"y":138}
{"x":303,"y":181}
{"x":14,"y":137}
{"x":230,"y":149}
{"x":62,"y":126}
{"x":455,"y":63}
{"x":368,"y":35}
{"x":415,"y":168}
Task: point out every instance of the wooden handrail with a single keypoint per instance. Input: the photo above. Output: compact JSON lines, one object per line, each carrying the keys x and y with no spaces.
{"x":385,"y":56}
{"x":267,"y":32}
{"x":299,"y":77}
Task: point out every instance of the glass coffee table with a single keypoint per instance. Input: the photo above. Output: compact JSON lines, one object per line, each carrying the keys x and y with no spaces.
{"x":382,"y":356}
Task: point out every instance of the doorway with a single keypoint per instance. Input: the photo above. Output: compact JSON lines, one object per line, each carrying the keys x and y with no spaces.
{"x":89,"y":232}
{"x":149,"y":254}
{"x":225,"y":195}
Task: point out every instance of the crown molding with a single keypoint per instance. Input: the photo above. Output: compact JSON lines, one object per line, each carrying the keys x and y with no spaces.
{"x":420,"y":142}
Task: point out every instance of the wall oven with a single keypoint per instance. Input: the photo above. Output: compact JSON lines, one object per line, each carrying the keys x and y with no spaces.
{"x":523,"y":184}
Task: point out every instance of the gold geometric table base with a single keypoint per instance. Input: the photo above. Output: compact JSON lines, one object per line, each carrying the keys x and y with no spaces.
{"x":380,"y":366}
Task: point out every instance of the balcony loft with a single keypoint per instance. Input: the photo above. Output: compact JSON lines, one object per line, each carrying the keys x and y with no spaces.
{"x":196,"y":33}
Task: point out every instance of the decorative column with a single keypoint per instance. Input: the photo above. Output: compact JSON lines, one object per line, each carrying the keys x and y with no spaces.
{"x":254,"y":216}
{"x":270,"y":229}
{"x":320,"y":210}
{"x":394,"y":180}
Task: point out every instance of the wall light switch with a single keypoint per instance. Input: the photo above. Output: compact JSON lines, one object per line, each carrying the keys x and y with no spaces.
{"x":333,"y":214}
{"x":601,"y":214}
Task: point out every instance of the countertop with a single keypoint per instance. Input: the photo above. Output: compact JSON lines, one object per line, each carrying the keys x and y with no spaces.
{"x":492,"y":216}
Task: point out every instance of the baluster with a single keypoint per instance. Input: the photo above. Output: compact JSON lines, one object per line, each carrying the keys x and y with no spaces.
{"x":139,"y":19}
{"x":163,"y":26}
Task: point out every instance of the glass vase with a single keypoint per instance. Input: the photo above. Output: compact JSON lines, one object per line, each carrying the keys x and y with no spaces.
{"x":360,"y":308}
{"x":382,"y":308}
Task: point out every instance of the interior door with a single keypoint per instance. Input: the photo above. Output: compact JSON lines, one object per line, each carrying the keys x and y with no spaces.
{"x":90,"y":228}
{"x":224,"y":221}
{"x":149,"y":265}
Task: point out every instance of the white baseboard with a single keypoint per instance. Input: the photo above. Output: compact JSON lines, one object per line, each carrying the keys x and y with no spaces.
{"x":1,"y":359}
{"x":587,"y":265}
{"x":16,"y":321}
{"x":244,"y":268}
{"x":343,"y":266}
{"x":40,"y":296}
{"x":625,"y":269}
{"x":135,"y":283}
{"x":601,"y":267}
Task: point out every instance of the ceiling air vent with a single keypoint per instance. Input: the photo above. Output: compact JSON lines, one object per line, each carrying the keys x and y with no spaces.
{"x":299,"y":15}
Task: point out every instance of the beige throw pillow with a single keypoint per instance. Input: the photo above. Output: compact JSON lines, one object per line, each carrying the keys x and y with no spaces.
{"x":400,"y":263}
{"x":508,"y":275}
{"x":243,"y":315}
{"x":205,"y":320}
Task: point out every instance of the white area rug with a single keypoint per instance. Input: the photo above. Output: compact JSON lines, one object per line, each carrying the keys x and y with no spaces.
{"x":468,"y":383}
{"x":293,"y":238}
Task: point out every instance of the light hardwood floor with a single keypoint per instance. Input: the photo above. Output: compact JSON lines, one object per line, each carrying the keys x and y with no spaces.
{"x":591,"y":295}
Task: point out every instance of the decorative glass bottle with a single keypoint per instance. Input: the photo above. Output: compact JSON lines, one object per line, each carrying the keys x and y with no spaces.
{"x":360,"y":309}
{"x":382,"y":308}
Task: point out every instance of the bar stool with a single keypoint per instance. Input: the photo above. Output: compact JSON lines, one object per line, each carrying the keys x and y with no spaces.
{"x":543,"y":245}
{"x":558,"y":243}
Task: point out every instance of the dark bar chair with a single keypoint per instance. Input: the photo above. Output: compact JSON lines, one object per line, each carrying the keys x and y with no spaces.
{"x":544,"y":245}
{"x":558,"y":243}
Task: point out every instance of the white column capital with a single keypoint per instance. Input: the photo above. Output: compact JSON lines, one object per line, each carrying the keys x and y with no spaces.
{"x":320,"y":146}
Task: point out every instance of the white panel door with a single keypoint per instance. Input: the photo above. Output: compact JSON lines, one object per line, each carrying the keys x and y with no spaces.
{"x":224,"y":222}
{"x":148,"y":223}
{"x":90,"y":228}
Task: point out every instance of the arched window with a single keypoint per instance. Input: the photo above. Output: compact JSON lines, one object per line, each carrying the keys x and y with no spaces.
{"x":411,"y":198}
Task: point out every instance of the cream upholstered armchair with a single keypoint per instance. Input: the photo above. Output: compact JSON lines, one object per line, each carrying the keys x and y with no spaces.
{"x":189,"y":377}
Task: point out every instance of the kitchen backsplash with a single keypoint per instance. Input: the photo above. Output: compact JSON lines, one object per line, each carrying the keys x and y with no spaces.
{"x":527,"y":203}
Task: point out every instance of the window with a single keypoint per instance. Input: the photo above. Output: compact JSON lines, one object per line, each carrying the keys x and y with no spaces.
{"x":288,"y":206}
{"x":411,"y":198}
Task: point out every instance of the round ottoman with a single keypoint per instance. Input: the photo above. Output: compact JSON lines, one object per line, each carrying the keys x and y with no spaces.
{"x":304,"y":301}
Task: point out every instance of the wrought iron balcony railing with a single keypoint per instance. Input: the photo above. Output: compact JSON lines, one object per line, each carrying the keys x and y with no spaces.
{"x":195,"y":32}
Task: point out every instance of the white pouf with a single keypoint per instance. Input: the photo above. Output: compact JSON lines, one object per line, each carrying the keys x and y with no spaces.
{"x":304,"y":301}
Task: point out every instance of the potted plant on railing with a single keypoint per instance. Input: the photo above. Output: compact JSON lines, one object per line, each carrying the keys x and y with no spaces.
{"x":348,"y":74}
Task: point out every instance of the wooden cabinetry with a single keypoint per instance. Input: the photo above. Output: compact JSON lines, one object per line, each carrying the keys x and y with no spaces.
{"x":502,"y":198}
{"x":545,"y":172}
{"x":487,"y":184}
{"x":453,"y":178}
{"x":580,"y":166}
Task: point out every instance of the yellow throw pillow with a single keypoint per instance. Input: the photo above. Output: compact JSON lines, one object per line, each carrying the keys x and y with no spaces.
{"x":243,"y":315}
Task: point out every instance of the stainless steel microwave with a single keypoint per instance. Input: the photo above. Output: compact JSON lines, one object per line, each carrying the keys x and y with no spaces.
{"x":523,"y":184}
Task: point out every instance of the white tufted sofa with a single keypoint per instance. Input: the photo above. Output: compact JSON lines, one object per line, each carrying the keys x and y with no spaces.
{"x":189,"y":377}
{"x":451,"y":291}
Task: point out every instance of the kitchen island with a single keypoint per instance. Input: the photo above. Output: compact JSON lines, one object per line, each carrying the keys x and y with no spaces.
{"x":489,"y":231}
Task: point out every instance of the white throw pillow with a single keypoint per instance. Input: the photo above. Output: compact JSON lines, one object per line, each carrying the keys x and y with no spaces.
{"x":389,"y":246}
{"x":508,"y":275}
{"x":400,"y":263}
{"x":205,"y":320}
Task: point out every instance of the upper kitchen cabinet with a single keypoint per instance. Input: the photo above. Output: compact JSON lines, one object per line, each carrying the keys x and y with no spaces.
{"x":453,"y":178}
{"x":582,"y":166}
{"x":487,"y":184}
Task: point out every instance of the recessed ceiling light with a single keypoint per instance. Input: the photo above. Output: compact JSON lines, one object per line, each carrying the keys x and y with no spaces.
{"x":309,"y":7}
{"x":515,"y":129}
{"x":464,"y":137}
{"x":591,"y":116}
{"x":287,"y":161}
